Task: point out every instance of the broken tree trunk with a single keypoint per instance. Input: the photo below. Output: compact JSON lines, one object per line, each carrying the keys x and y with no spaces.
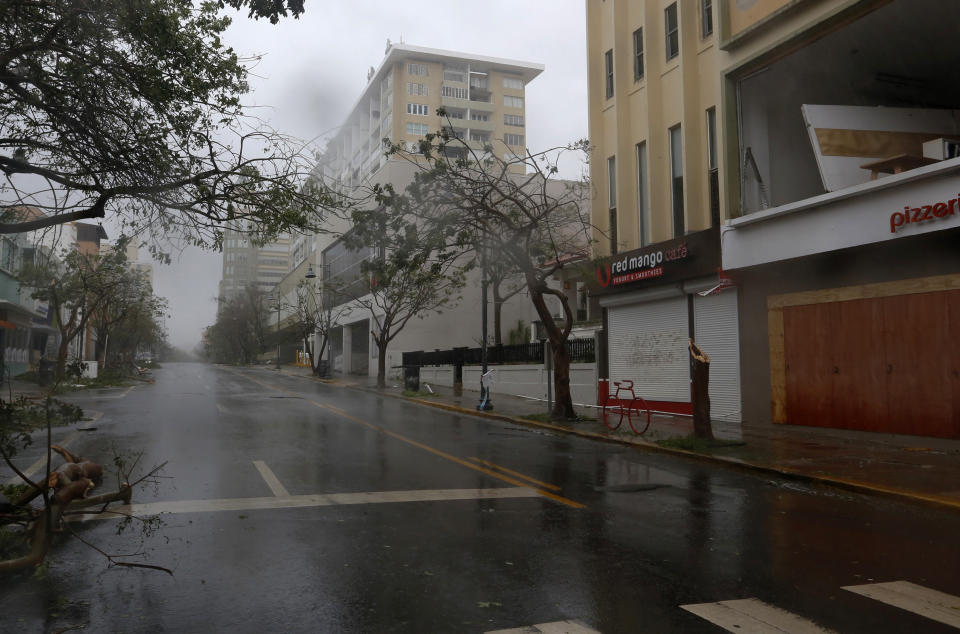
{"x":700,"y":373}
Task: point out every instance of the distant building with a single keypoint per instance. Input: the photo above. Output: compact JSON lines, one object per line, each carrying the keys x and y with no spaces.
{"x":133,"y":254}
{"x":244,"y":264}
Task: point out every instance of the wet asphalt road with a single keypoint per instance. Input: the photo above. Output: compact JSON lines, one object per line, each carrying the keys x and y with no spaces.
{"x":654,"y":531}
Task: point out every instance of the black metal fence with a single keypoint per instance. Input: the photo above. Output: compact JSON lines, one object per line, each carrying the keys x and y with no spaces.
{"x":581,"y":351}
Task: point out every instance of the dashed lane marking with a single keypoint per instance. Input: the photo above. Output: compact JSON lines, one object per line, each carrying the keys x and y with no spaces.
{"x":516,"y":473}
{"x":272,"y":480}
{"x":557,"y":627}
{"x":434,"y":451}
{"x":307,"y":501}
{"x":753,"y":616}
{"x":931,"y":604}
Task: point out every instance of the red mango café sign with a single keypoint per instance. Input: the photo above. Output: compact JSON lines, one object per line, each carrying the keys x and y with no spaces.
{"x":924,"y":213}
{"x":633,"y":268}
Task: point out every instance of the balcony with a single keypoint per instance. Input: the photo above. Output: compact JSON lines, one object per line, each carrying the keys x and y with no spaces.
{"x":483,"y":106}
{"x":452,"y":102}
{"x":485,"y":126}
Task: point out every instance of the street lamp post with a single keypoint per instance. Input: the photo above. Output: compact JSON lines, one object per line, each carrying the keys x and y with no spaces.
{"x":310,"y":276}
{"x":278,"y":325}
{"x":485,"y":403}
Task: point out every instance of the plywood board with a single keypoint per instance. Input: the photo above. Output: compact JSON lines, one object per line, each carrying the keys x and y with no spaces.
{"x":841,"y":140}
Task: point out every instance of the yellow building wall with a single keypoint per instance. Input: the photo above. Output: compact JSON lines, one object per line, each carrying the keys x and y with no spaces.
{"x":743,"y":14}
{"x":680,"y":91}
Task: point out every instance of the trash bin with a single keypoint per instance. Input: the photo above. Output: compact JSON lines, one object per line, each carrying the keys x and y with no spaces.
{"x":411,"y":378}
{"x":44,"y":372}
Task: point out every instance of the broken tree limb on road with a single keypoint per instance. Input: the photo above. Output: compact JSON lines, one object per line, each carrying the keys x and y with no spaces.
{"x":700,"y":376}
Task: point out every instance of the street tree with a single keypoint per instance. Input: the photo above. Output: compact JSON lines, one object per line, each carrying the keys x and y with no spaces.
{"x":76,"y":287}
{"x":513,"y":205}
{"x":410,"y":272}
{"x":238,"y":335}
{"x":505,"y":282}
{"x":313,"y":320}
{"x":133,"y":110}
{"x":140,"y":330}
{"x":131,"y":296}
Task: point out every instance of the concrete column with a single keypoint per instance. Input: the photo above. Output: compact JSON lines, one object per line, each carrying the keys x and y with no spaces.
{"x":347,"y":349}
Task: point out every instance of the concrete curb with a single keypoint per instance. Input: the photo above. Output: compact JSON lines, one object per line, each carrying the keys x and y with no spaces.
{"x":847,"y":484}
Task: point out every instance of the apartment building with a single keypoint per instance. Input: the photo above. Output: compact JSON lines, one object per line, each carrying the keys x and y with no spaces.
{"x":816,"y":143}
{"x":484,"y":99}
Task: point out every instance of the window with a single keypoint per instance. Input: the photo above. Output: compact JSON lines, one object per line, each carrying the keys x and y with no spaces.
{"x":418,"y":109}
{"x":420,"y":90}
{"x":479,"y":137}
{"x":417,"y":69}
{"x":706,"y":18}
{"x":513,"y":119}
{"x":453,"y":91}
{"x":643,"y":209}
{"x":673,"y":31}
{"x":713,"y":175}
{"x":512,"y":102}
{"x":480,"y":82}
{"x":513,"y":139}
{"x":638,"y":54}
{"x":479,"y":116}
{"x":514,"y":83}
{"x":676,"y":179}
{"x":418,"y":129}
{"x":608,"y":71}
{"x":9,"y":255}
{"x":612,"y":198}
{"x":454,"y":75}
{"x":711,"y":138}
{"x":456,"y":114}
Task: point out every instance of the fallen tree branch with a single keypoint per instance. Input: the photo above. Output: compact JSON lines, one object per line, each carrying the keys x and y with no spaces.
{"x":112,"y":558}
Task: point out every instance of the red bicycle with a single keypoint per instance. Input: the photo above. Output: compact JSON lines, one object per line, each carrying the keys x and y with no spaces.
{"x":624,"y":403}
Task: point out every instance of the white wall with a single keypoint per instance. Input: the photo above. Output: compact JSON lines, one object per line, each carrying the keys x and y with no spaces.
{"x":519,"y":380}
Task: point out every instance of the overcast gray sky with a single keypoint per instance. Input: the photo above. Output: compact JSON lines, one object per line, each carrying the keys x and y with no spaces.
{"x":314,"y":69}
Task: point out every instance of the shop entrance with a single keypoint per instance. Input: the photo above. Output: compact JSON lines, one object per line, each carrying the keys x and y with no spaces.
{"x":886,"y":364}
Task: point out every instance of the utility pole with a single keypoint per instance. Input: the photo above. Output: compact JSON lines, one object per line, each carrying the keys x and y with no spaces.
{"x":278,"y":331}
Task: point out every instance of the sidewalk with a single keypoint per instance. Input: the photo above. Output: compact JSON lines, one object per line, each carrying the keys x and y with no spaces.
{"x":913,"y":467}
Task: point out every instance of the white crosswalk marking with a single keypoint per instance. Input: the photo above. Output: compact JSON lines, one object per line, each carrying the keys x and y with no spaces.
{"x":557,"y":627}
{"x":308,"y":501}
{"x":932,"y":604}
{"x":753,"y":616}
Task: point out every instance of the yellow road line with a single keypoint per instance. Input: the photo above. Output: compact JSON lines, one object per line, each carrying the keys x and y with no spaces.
{"x":434,"y":451}
{"x":516,"y":473}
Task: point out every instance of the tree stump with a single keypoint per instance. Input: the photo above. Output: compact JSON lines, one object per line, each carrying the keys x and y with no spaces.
{"x":700,"y":372}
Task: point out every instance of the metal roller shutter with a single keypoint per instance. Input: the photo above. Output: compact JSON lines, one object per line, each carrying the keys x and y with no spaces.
{"x":717,"y":333}
{"x":648,"y":344}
